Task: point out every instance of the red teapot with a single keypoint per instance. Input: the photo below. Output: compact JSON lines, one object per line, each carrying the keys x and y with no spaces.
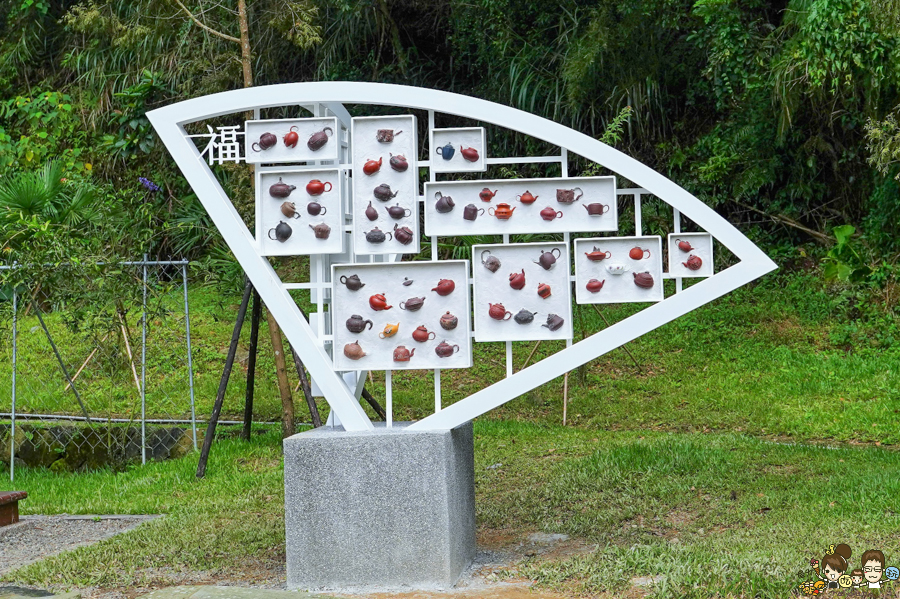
{"x":291,"y":138}
{"x":317,"y":188}
{"x":637,"y":253}
{"x":470,"y":154}
{"x":693,"y":263}
{"x":597,"y":255}
{"x":502,"y":211}
{"x":549,"y":213}
{"x":526,"y":198}
{"x":517,"y":280}
{"x":378,"y":302}
{"x":643,"y":280}
{"x":372,"y":166}
{"x":594,"y":285}
{"x":684,"y":246}
{"x":445,"y":287}
{"x":401,"y":354}
{"x":544,"y":290}
{"x":498,"y":312}
{"x":421,"y":334}
{"x":486,"y":194}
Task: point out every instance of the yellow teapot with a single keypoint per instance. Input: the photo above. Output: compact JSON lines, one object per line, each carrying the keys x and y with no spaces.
{"x":389,"y":330}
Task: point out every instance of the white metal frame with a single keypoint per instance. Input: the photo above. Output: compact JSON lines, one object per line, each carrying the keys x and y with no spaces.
{"x":170,"y":124}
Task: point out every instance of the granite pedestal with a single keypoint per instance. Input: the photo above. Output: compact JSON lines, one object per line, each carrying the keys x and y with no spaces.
{"x":386,"y":508}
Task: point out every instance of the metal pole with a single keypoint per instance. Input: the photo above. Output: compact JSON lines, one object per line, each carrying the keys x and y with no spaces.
{"x":12,"y":438}
{"x":187,"y":330}
{"x":144,"y":371}
{"x":59,"y":360}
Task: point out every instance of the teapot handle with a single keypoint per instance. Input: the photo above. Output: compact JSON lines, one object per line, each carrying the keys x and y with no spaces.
{"x":439,"y":151}
{"x":330,"y":131}
{"x":408,"y":212}
{"x":370,"y":324}
{"x":401,"y":304}
{"x":272,"y":230}
{"x":324,"y":211}
{"x":255,"y":146}
{"x":508,"y":315}
{"x":559,"y":214}
{"x":329,"y":188}
{"x":483,"y":253}
{"x":390,"y":235}
{"x":456,"y":350}
{"x":432,"y":335}
{"x":343,"y":279}
{"x":482,"y":211}
{"x":490,"y":211}
{"x":556,"y":250}
{"x":296,"y":215}
{"x":438,"y":195}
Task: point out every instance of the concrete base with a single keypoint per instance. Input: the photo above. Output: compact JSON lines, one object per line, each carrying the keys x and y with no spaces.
{"x":387,"y":508}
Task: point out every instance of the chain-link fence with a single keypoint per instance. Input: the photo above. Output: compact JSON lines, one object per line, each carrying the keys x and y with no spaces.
{"x":99,"y":364}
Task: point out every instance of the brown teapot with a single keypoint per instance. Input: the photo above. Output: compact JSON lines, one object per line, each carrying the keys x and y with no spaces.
{"x":383,"y":192}
{"x":449,"y":321}
{"x":352,"y":282}
{"x":643,"y":280}
{"x":412,"y":304}
{"x":445,"y":287}
{"x":378,"y":302}
{"x":554,"y":322}
{"x":376,"y":235}
{"x":315,"y":209}
{"x":354,"y":351}
{"x":289,"y":209}
{"x":501,"y":211}
{"x":471,"y":212}
{"x":421,"y":334}
{"x":403,"y":234}
{"x":526,"y":198}
{"x":399,"y":163}
{"x":266,"y":141}
{"x":281,"y":189}
{"x":386,"y":136}
{"x":492,"y":263}
{"x":444,"y":203}
{"x":596,"y":209}
{"x":694,"y":262}
{"x":321,"y":231}
{"x":371,"y":213}
{"x":397,"y":211}
{"x":548,"y":259}
{"x":567,"y":196}
{"x":597,"y":255}
{"x":356,"y":324}
{"x":517,"y":280}
{"x":594,"y":285}
{"x":445,"y":350}
{"x":319,"y":139}
{"x":498,"y":312}
{"x":401,"y":354}
{"x":486,"y":194}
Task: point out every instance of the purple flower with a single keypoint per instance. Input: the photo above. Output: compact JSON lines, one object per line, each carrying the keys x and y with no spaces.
{"x":149,"y":184}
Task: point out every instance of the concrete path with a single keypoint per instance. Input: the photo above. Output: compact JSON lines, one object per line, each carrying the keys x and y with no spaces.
{"x":213,"y":592}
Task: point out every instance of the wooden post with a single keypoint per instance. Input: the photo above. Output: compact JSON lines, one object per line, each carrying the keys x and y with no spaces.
{"x":307,"y":391}
{"x":374,"y":403}
{"x":223,"y":382}
{"x":251,"y":365}
{"x":287,"y":401}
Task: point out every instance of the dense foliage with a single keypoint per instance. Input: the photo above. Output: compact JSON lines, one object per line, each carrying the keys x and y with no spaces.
{"x":781,"y":115}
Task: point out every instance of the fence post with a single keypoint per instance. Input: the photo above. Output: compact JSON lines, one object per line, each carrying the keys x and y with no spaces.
{"x":144,"y":369}
{"x":187,"y":330}
{"x":12,"y":431}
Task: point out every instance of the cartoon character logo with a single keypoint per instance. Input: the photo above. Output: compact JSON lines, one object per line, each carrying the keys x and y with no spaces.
{"x":835,"y":571}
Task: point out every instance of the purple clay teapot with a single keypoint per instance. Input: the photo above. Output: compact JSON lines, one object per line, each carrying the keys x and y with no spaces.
{"x":524,"y":316}
{"x":383,"y":192}
{"x":445,"y":287}
{"x":486,"y":194}
{"x":356,"y":324}
{"x":319,"y":139}
{"x":386,"y":136}
{"x":567,"y":196}
{"x":694,"y":262}
{"x":397,"y":212}
{"x":399,"y":163}
{"x":315,"y":209}
{"x":282,"y":232}
{"x":471,"y":212}
{"x":401,"y":354}
{"x":517,"y":280}
{"x":291,"y":138}
{"x":404,"y":235}
{"x":352,"y":282}
{"x":548,"y":259}
{"x":498,"y":312}
{"x":376,"y":235}
{"x":412,"y":304}
{"x":266,"y":141}
{"x":289,"y":209}
{"x":407,"y":282}
{"x":643,"y":280}
{"x":492,"y":263}
{"x":354,"y":351}
{"x":449,"y":321}
{"x":421,"y":334}
{"x":371,"y":213}
{"x":596,"y":209}
{"x":445,"y":350}
{"x":444,"y":203}
{"x":321,"y":231}
{"x":554,"y":322}
{"x":281,"y":189}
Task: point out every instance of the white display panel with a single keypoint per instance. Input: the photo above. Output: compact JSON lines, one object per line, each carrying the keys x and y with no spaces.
{"x":387,"y":279}
{"x":303,"y":239}
{"x":280,"y":153}
{"x":494,"y":288}
{"x":405,"y":184}
{"x":702,"y":247}
{"x":618,"y":288}
{"x":526,"y":218}
{"x":458,"y":138}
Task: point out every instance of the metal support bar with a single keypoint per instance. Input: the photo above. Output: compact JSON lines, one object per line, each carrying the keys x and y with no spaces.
{"x":676,"y":228}
{"x":255,"y":315}
{"x":190,"y":363}
{"x":389,"y":398}
{"x":144,"y":371}
{"x":12,"y":438}
{"x":59,"y":359}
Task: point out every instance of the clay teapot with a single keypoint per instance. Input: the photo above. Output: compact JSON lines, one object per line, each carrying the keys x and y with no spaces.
{"x":266,"y":141}
{"x":517,"y":280}
{"x":523,"y":316}
{"x":386,"y":136}
{"x":526,"y":198}
{"x":356,"y":324}
{"x":321,"y":231}
{"x":319,"y":139}
{"x":694,"y":262}
{"x":684,"y":246}
{"x":445,"y":350}
{"x":596,"y":209}
{"x":445,"y":287}
{"x":643,"y":280}
{"x":412,"y":304}
{"x":315,"y":209}
{"x":281,"y":189}
{"x":354,"y":351}
{"x":352,"y":282}
{"x":471,"y":212}
{"x":282,"y":232}
{"x":376,"y":235}
{"x":498,"y":312}
{"x":401,"y":354}
{"x":389,"y":330}
{"x":372,"y":166}
{"x":543,"y":290}
{"x":371,"y":213}
{"x":397,"y":211}
{"x":470,"y":154}
{"x":502,"y":211}
{"x":492,"y":263}
{"x":594,"y":285}
{"x":486,"y":194}
{"x":567,"y":196}
{"x":406,"y":282}
{"x":421,"y":334}
{"x":444,"y":203}
{"x":291,"y":138}
{"x":289,"y":209}
{"x":548,"y":259}
{"x":383,"y":192}
{"x":449,"y":321}
{"x":317,"y":188}
{"x":554,"y":322}
{"x":597,"y":255}
{"x":378,"y":302}
{"x":446,"y":152}
{"x":399,"y":163}
{"x":403,"y":234}
{"x":549,"y":213}
{"x":637,"y":253}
